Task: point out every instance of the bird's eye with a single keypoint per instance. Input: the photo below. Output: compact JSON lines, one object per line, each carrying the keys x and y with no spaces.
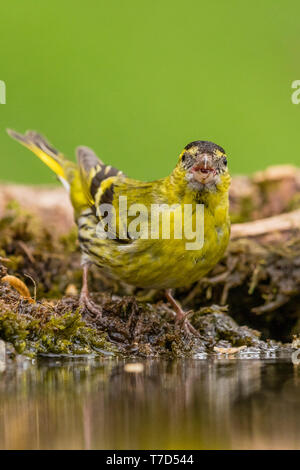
{"x":183,"y":157}
{"x":225,"y":160}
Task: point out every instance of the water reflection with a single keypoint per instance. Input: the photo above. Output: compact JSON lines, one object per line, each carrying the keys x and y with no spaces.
{"x":90,"y":404}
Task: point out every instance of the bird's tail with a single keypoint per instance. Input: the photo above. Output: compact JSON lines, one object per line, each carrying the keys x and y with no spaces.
{"x":63,"y":168}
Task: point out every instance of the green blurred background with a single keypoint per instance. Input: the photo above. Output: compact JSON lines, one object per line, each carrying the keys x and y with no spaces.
{"x":137,"y":80}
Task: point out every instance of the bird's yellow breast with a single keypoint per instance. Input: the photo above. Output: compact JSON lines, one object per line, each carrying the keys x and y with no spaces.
{"x":167,"y":263}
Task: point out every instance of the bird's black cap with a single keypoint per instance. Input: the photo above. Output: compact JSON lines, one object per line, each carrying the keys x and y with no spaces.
{"x":204,"y":146}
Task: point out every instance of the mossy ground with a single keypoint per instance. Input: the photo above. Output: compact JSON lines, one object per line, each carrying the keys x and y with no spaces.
{"x":44,"y":328}
{"x":259,"y":283}
{"x":128,"y":327}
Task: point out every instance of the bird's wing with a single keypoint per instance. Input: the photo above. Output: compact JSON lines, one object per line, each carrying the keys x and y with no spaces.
{"x":93,"y":173}
{"x":98,"y":181}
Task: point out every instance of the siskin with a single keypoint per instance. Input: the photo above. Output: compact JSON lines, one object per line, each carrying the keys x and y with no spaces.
{"x":200,"y":177}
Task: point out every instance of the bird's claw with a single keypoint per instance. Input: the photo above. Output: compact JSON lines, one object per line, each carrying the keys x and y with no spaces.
{"x":87,"y":304}
{"x":182,"y":321}
{"x":181,"y":317}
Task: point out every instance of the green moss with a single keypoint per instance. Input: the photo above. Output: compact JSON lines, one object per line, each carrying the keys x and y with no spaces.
{"x":64,"y":334}
{"x":14,"y":330}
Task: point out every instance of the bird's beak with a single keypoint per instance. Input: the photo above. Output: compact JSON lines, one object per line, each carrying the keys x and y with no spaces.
{"x":203,"y":170}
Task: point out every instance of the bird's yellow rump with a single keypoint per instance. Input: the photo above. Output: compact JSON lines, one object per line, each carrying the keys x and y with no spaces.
{"x":200,"y":177}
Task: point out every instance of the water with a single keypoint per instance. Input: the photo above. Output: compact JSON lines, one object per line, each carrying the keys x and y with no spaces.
{"x":185,"y":404}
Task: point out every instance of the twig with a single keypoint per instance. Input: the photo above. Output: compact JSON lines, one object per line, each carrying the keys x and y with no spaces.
{"x":278,"y":223}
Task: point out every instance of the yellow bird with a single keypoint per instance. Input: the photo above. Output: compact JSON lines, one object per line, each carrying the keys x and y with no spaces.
{"x":120,"y":220}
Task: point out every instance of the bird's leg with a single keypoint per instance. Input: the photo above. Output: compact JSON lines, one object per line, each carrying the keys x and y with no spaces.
{"x":85,"y":300}
{"x":180,"y":315}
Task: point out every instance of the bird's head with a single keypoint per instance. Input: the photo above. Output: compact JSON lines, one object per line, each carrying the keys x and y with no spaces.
{"x":204,"y":164}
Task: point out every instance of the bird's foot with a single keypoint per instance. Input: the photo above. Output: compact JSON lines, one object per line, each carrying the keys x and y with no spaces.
{"x":86,"y":303}
{"x":181,"y":317}
{"x":181,"y":320}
